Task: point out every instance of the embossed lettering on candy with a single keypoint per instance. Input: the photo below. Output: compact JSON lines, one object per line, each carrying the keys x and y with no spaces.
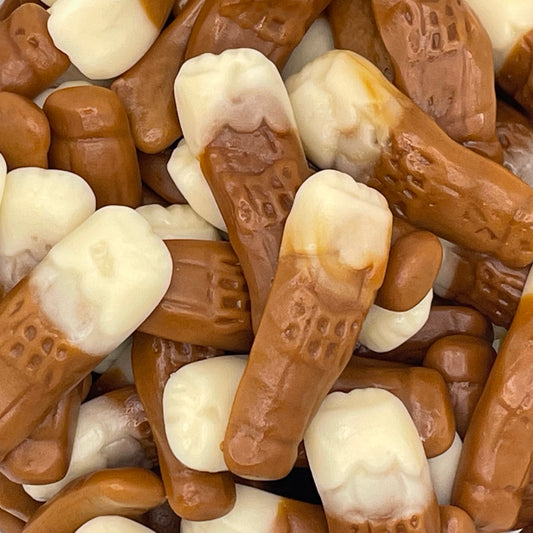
{"x":102,"y":280}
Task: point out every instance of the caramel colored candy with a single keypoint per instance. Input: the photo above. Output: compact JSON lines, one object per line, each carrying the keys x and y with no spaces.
{"x":271,"y":27}
{"x":207,"y":302}
{"x":496,"y":458}
{"x":423,"y":393}
{"x":515,"y":76}
{"x":44,"y":456}
{"x":29,"y":61}
{"x":15,"y":501}
{"x":10,"y":523}
{"x":25,"y":133}
{"x":464,"y":362}
{"x":443,"y":320}
{"x":91,"y":136}
{"x":414,"y":262}
{"x":154,"y":120}
{"x":121,"y":491}
{"x":191,"y":494}
{"x":455,"y":520}
{"x":354,"y":28}
{"x":8,"y":6}
{"x":442,"y":59}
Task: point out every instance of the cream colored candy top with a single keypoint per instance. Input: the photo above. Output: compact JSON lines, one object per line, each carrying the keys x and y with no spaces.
{"x":103,"y":38}
{"x":442,"y":469}
{"x":255,"y":510}
{"x":353,"y":222}
{"x":113,"y":524}
{"x":239,"y":88}
{"x":197,"y":401}
{"x":384,"y":330}
{"x":3,"y":174}
{"x":178,"y":222}
{"x":186,"y":173}
{"x":505,"y":22}
{"x":345,"y":109}
{"x":366,"y":457}
{"x":103,"y":279}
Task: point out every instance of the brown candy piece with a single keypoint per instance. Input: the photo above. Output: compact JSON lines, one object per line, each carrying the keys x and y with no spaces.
{"x":91,"y":137}
{"x":455,"y":520}
{"x":8,"y":6}
{"x":120,"y":491}
{"x":29,"y":61}
{"x":25,"y":132}
{"x":147,"y":89}
{"x":515,"y":76}
{"x":423,"y":393}
{"x":191,"y":494}
{"x":272,"y":27}
{"x":413,"y":265}
{"x":299,"y":517}
{"x":10,"y":523}
{"x":353,"y":26}
{"x":44,"y":457}
{"x":15,"y":501}
{"x":464,"y":362}
{"x":154,"y":174}
{"x":207,"y":302}
{"x":442,"y":59}
{"x":495,"y":462}
{"x":443,"y":320}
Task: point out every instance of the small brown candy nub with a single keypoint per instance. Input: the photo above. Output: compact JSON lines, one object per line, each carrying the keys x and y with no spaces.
{"x":207,"y":302}
{"x":44,"y":457}
{"x":354,"y":28}
{"x":15,"y":501}
{"x":464,"y":362}
{"x":423,"y":392}
{"x":429,"y":43}
{"x":29,"y":60}
{"x":91,"y":137}
{"x":455,"y":520}
{"x":269,"y":26}
{"x":122,"y":491}
{"x":443,"y":320}
{"x":515,"y":76}
{"x":413,"y":265}
{"x":191,"y":494}
{"x":25,"y":132}
{"x":147,"y":89}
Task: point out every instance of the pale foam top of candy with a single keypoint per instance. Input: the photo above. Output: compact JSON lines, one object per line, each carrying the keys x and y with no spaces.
{"x":113,"y":524}
{"x":442,"y":469}
{"x":103,"y":38}
{"x":186,"y":173}
{"x":239,"y":88}
{"x":333,"y":215}
{"x":255,"y":510}
{"x":105,"y":438}
{"x":178,"y":222}
{"x":384,"y":330}
{"x":103,"y":279}
{"x":197,"y":401}
{"x":505,"y":22}
{"x":366,"y":457}
{"x":345,"y":109}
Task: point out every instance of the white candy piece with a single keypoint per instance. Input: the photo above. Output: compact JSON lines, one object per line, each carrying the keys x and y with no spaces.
{"x":442,"y":469}
{"x":113,"y":524}
{"x":103,"y":38}
{"x":185,"y":171}
{"x":106,"y":437}
{"x":39,"y":207}
{"x":366,"y":457}
{"x":353,"y":223}
{"x":197,"y":402}
{"x":239,"y":88}
{"x":255,"y":510}
{"x":3,"y":175}
{"x":505,"y":23}
{"x":178,"y":222}
{"x":103,"y":279}
{"x":119,"y":360}
{"x":317,"y":40}
{"x":384,"y":330}
{"x":354,"y":106}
